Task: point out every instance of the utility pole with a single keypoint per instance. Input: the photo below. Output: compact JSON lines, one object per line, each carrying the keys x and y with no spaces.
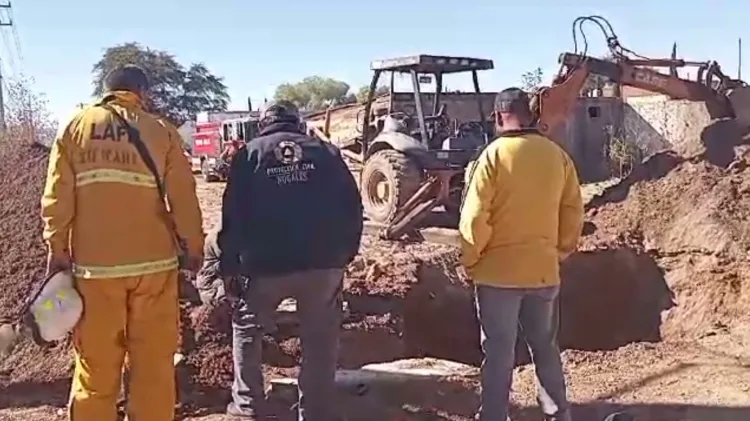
{"x":2,"y":96}
{"x":739,"y":60}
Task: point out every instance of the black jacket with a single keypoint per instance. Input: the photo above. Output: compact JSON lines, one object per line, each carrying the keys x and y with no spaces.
{"x":290,"y":205}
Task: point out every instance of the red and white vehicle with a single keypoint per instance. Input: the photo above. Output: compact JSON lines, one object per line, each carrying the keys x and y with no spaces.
{"x":215,"y":142}
{"x":206,"y":143}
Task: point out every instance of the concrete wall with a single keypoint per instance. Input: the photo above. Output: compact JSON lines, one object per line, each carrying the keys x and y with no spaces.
{"x":652,"y":123}
{"x":658,"y":123}
{"x":587,"y":132}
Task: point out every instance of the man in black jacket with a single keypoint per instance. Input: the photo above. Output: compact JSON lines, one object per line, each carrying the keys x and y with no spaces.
{"x":291,"y":222}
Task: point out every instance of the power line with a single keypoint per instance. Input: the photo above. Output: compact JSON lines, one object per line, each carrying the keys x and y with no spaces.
{"x":11,"y":42}
{"x":8,"y":48}
{"x":2,"y":81}
{"x":16,"y":38}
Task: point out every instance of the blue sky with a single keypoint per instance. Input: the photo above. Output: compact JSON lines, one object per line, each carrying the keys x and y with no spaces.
{"x":256,"y":45}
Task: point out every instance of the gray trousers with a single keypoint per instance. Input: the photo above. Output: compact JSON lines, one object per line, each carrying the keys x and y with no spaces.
{"x":502,"y":311}
{"x":318,"y":295}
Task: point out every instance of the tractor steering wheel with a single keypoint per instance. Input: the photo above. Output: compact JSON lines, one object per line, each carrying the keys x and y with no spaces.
{"x":440,"y":116}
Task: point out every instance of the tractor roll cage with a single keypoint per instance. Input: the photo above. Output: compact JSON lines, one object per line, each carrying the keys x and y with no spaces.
{"x":415,"y":66}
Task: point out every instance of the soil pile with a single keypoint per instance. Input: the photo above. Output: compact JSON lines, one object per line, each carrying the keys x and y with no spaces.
{"x":23,"y":255}
{"x":390,"y":317}
{"x":22,"y":252}
{"x":690,"y":220}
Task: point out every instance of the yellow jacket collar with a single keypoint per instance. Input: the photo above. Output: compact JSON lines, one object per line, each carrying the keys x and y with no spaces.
{"x":124,"y":98}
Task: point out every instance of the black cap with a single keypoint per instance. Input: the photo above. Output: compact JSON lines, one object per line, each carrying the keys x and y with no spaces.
{"x":274,"y":111}
{"x":511,"y":100}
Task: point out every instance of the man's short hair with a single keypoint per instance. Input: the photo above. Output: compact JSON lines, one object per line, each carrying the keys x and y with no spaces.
{"x":512,"y":101}
{"x":126,"y":78}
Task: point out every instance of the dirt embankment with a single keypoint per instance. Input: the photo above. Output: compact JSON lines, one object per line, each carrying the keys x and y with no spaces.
{"x":23,"y":256}
{"x":378,"y":290}
{"x":22,"y":252}
{"x":692,"y":219}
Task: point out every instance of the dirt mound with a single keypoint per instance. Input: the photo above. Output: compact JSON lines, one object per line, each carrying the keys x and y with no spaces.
{"x":693,"y":219}
{"x":23,"y":255}
{"x":22,"y":252}
{"x":379,"y":291}
{"x":679,"y":206}
{"x":409,"y":301}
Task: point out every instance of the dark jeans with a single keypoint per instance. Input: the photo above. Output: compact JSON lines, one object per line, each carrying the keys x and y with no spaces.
{"x":318,"y":295}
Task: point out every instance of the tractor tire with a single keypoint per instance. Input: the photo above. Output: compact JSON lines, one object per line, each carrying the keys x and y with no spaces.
{"x":389,"y":179}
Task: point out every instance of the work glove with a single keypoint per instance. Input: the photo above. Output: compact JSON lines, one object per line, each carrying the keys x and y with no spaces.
{"x":212,"y":294}
{"x":225,"y":289}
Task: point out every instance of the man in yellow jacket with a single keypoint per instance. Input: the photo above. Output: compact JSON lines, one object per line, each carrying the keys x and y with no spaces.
{"x":522,"y":214}
{"x":105,"y":220}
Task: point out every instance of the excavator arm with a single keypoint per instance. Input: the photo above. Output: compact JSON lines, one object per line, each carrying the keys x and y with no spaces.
{"x":551,"y":105}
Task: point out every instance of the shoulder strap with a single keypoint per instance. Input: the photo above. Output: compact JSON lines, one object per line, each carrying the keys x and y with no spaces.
{"x":134,"y":136}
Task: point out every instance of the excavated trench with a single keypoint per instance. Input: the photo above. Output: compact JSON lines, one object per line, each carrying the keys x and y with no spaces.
{"x":610,"y":297}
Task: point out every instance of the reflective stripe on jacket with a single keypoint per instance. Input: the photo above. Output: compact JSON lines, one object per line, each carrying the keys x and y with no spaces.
{"x":119,"y":271}
{"x":114,"y":176}
{"x":101,"y":203}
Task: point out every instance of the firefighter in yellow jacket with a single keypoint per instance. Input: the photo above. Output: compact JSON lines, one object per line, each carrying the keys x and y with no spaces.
{"x":105,"y":220}
{"x":522,"y":214}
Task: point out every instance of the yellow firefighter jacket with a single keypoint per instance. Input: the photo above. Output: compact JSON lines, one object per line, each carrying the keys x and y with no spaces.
{"x":101,"y":203}
{"x":522,"y":212}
